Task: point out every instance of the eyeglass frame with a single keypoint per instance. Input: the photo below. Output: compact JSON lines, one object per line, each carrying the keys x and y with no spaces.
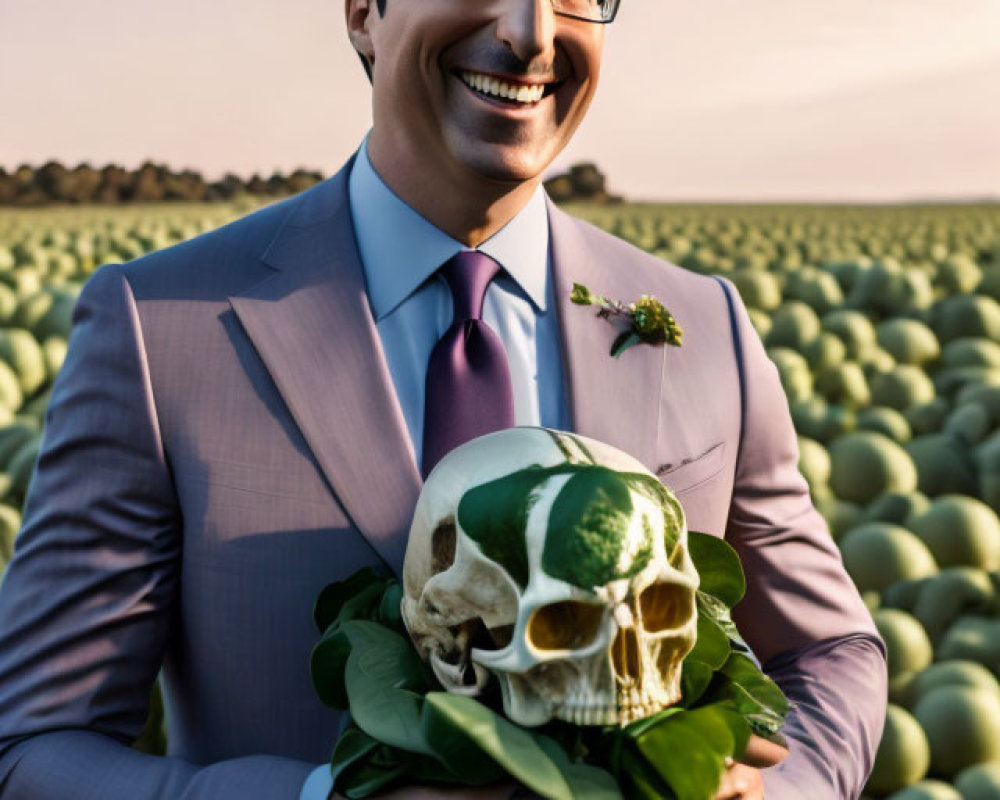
{"x":616,"y":4}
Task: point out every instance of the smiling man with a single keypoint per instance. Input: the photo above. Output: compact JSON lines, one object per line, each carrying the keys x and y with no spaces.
{"x":246,"y":417}
{"x":473,"y":101}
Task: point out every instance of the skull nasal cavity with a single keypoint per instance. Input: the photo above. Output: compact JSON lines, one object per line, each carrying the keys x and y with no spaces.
{"x":625,"y":654}
{"x":569,"y":625}
{"x":664,"y":606}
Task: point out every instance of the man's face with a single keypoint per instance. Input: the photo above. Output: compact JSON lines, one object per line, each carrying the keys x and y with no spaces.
{"x":426,"y":53}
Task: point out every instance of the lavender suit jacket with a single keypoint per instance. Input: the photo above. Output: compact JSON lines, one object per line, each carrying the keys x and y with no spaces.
{"x":224,"y":439}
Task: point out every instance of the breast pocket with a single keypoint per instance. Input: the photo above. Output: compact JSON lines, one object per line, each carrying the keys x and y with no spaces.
{"x":693,"y":472}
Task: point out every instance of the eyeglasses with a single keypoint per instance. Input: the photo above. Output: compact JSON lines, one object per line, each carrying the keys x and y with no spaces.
{"x":602,"y":11}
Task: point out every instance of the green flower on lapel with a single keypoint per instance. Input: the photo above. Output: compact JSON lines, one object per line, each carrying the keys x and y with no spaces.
{"x":649,"y":321}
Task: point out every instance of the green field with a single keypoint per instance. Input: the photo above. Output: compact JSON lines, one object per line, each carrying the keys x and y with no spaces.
{"x":884,"y":323}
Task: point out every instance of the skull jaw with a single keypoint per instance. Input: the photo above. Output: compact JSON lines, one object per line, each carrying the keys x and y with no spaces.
{"x":634,"y":704}
{"x":593,"y":693}
{"x":626,"y":703}
{"x":621,"y":710}
{"x":650,"y":680}
{"x":521,"y":703}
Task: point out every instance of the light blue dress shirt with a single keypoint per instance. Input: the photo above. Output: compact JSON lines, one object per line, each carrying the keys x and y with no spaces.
{"x":412,"y":307}
{"x":401,"y":252}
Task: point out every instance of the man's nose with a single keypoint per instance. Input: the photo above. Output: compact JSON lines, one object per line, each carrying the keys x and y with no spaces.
{"x":528,"y":28}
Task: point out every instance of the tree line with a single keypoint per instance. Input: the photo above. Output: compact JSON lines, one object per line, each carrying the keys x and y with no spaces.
{"x":55,"y":183}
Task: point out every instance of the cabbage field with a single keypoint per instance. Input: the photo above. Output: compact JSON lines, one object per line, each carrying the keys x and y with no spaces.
{"x":884,"y":324}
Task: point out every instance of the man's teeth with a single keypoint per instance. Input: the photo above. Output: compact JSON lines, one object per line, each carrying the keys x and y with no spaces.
{"x":488,"y":85}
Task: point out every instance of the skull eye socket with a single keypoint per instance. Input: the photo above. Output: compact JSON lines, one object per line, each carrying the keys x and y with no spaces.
{"x":569,"y":625}
{"x":443,"y":545}
{"x":664,"y":606}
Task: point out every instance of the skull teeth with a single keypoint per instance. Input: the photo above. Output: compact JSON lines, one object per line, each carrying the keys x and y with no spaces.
{"x":596,"y":714}
{"x":630,"y":705}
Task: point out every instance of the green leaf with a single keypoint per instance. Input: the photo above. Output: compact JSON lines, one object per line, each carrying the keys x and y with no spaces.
{"x":714,"y":609}
{"x":367,"y":779}
{"x":611,"y":750}
{"x":581,"y":295}
{"x":641,"y":780}
{"x":688,"y":751}
{"x":745,"y":673}
{"x":752,"y":694}
{"x":384,"y":677}
{"x":361,"y":766}
{"x":587,"y":782}
{"x":572,"y":739}
{"x":624,"y":341}
{"x":454,"y":747}
{"x":711,"y":646}
{"x":389,"y":757}
{"x":719,"y":568}
{"x":390,"y":608}
{"x":738,"y":726}
{"x":695,"y":679}
{"x":392,"y":717}
{"x":639,"y":727}
{"x":327,"y":664}
{"x":332,"y":598}
{"x":328,"y":661}
{"x":363,"y":605}
{"x":385,"y":655}
{"x":353,"y":746}
{"x":427,"y":769}
{"x":513,"y":748}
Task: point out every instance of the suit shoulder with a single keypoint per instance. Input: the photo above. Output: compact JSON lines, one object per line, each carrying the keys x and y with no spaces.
{"x":226,"y":256}
{"x":660,"y":275}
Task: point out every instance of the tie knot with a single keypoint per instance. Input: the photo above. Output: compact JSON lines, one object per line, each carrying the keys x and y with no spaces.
{"x":468,"y":273}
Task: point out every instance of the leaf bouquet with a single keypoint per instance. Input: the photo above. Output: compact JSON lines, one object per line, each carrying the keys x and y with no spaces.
{"x":593,"y":690}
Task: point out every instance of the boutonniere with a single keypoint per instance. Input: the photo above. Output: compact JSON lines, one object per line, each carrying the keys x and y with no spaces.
{"x":649,"y":321}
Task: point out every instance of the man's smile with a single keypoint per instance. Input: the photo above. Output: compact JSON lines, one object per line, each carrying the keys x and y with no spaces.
{"x":480,"y":95}
{"x":507,"y":92}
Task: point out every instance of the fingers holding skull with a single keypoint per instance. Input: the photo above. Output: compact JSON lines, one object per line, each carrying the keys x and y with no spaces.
{"x":740,"y":782}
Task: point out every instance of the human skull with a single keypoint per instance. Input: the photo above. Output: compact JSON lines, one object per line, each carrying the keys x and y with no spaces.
{"x":560,"y":565}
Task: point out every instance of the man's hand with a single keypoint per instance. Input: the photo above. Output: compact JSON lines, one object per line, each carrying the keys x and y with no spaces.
{"x":742,"y":779}
{"x":740,"y":782}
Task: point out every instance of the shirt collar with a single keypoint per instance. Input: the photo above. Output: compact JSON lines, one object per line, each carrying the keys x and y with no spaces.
{"x":400,"y":249}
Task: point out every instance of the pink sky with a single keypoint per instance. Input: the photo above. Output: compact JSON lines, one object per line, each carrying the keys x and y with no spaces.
{"x":724,"y":99}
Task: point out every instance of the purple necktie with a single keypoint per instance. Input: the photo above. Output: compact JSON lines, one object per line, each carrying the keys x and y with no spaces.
{"x":468,"y":390}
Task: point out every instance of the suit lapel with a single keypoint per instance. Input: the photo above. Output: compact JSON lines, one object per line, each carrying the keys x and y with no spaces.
{"x":311,"y":324}
{"x":613,"y":400}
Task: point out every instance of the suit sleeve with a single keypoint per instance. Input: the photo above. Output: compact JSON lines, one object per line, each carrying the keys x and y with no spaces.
{"x":802,"y":614}
{"x":88,"y":600}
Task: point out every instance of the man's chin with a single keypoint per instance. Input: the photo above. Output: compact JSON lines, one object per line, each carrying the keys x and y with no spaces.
{"x":509,"y":169}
